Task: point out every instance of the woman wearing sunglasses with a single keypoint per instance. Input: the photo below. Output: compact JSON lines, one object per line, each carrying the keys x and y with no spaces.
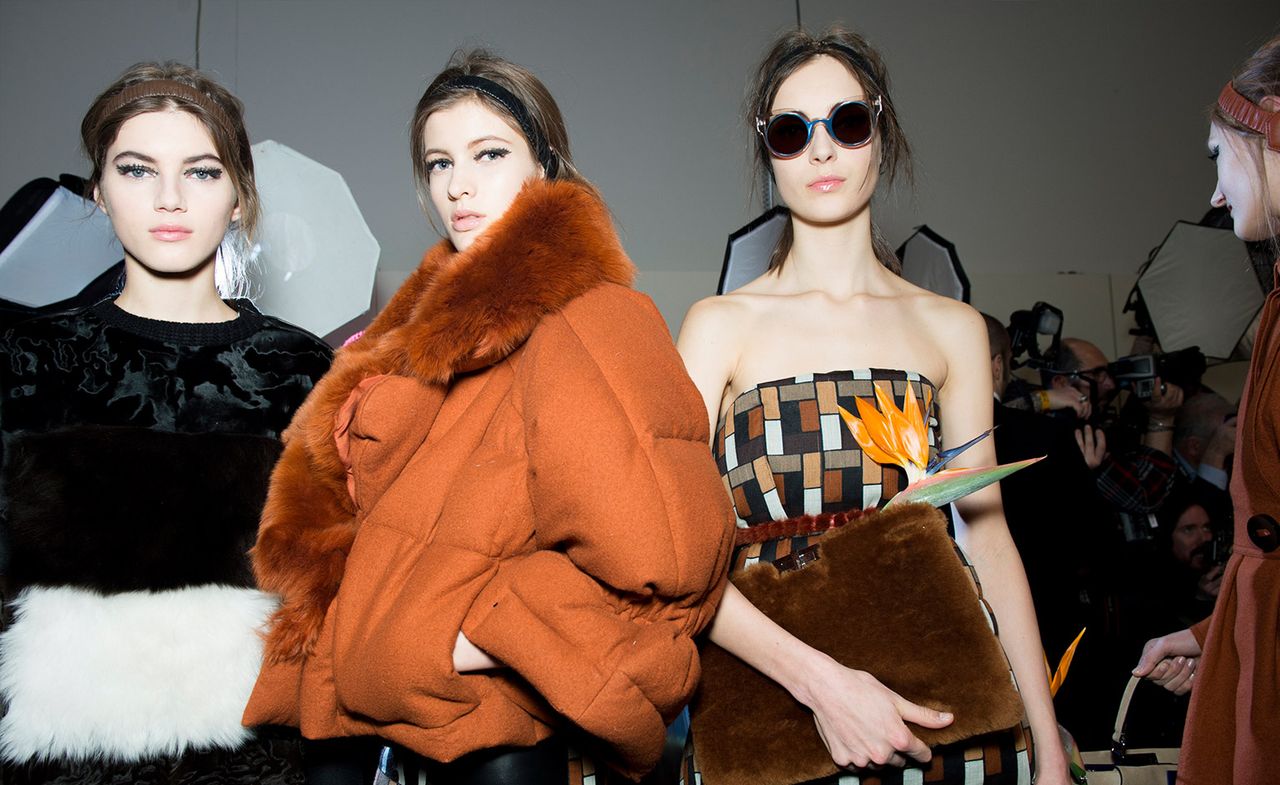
{"x":832,"y":309}
{"x":495,"y":522}
{"x":1233,"y":658}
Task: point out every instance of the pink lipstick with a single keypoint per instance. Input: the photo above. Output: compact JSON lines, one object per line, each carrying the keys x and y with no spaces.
{"x":170,"y":233}
{"x":465,"y":220}
{"x":826,"y":183}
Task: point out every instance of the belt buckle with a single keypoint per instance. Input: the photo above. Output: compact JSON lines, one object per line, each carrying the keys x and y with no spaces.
{"x":798,"y":560}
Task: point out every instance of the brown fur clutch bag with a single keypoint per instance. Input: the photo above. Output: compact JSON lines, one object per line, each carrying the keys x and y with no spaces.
{"x":889,"y":595}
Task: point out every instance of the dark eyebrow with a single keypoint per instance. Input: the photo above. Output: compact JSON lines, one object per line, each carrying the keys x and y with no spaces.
{"x":489,"y":138}
{"x":473,"y":143}
{"x":133,"y":154}
{"x":191,"y":160}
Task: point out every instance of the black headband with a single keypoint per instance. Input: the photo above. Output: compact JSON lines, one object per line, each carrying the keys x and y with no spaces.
{"x":546,"y":156}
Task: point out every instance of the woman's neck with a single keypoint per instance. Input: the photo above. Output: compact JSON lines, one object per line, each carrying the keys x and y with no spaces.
{"x":177,"y":298}
{"x":838,"y":259}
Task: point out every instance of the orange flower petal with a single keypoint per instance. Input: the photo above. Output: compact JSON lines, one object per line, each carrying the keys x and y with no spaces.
{"x":1064,"y":665}
{"x":878,"y":426}
{"x":898,"y":424}
{"x":914,"y":438}
{"x":863,"y":437}
{"x":909,"y":437}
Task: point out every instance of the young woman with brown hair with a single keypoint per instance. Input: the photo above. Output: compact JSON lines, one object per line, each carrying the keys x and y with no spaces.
{"x":832,"y":321}
{"x":495,"y":525}
{"x":138,"y":437}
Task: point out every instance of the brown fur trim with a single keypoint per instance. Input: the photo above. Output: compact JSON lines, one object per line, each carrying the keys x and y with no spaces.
{"x":889,"y":596}
{"x":462,"y":311}
{"x":459,"y":311}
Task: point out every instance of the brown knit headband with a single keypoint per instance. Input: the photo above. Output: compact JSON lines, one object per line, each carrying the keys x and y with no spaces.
{"x":168,"y":88}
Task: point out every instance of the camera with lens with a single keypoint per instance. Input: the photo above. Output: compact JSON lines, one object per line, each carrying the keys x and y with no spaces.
{"x":1025,"y":329}
{"x":1138,"y":372}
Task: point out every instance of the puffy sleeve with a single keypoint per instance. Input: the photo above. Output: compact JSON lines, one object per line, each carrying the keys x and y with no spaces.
{"x":632,"y":523}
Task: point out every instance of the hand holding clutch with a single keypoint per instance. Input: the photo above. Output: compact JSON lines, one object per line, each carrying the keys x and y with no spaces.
{"x":862,"y":722}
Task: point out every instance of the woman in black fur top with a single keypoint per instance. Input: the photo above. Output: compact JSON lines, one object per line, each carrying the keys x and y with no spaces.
{"x":138,"y":436}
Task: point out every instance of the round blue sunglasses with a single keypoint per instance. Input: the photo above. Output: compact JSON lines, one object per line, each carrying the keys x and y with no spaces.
{"x":850,"y":124}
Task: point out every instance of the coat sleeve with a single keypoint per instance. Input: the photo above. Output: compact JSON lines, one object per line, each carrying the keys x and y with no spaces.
{"x":309,"y":520}
{"x":309,"y":523}
{"x":632,"y":523}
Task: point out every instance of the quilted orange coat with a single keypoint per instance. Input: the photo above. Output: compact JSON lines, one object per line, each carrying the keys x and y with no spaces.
{"x":513,"y":450}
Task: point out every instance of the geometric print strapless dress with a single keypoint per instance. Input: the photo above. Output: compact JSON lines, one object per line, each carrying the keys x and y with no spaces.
{"x":783,"y":452}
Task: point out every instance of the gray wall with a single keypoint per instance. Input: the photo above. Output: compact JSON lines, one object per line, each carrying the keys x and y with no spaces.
{"x":1049,"y":135}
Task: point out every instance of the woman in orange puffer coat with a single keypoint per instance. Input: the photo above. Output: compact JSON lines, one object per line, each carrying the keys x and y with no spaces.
{"x":496,"y":518}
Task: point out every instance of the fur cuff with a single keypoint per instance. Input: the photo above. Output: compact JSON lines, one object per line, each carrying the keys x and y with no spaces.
{"x":127,"y":509}
{"x":128,"y":676}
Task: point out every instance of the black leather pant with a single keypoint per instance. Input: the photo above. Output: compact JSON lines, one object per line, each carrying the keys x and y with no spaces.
{"x":352,"y":762}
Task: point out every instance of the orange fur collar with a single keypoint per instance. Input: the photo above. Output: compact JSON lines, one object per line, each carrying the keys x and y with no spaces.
{"x":465,"y":310}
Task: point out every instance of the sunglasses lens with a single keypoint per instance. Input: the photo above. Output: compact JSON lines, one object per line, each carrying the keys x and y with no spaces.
{"x":851,"y":124}
{"x":786,"y":135}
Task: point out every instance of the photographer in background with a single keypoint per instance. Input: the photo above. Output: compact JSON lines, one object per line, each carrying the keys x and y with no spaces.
{"x":1204,"y":439}
{"x":1133,"y":477}
{"x":1171,"y":582}
{"x":1022,"y":341}
{"x":1176,"y":576}
{"x":1066,"y":536}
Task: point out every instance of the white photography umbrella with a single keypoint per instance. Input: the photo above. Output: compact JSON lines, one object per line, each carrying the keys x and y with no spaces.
{"x":746,"y":255}
{"x":65,"y":245}
{"x":930,"y":261}
{"x":1200,"y":290}
{"x":317,"y":257}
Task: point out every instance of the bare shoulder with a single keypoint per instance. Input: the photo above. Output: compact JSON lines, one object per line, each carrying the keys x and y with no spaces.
{"x":719,"y":315}
{"x":950,"y":322}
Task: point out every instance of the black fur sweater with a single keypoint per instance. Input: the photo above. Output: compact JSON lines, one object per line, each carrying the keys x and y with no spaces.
{"x":89,"y":400}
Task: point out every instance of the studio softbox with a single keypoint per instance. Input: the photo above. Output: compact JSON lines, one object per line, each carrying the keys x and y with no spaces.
{"x":746,"y":255}
{"x":930,"y":261}
{"x":316,"y":253}
{"x":60,"y":243}
{"x":1199,"y":290}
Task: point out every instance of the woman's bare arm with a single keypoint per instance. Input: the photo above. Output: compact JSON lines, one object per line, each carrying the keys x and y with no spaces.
{"x":966,"y":410}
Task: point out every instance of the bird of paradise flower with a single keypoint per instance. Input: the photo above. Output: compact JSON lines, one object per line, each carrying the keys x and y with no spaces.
{"x":1075,"y":763}
{"x":889,"y":435}
{"x":1060,"y":675}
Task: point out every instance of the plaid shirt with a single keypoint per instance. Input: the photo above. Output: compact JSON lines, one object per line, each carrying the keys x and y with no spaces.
{"x":1138,"y":481}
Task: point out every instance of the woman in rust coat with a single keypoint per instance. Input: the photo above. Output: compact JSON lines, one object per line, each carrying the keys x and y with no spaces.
{"x":495,"y":520}
{"x":1231,"y":661}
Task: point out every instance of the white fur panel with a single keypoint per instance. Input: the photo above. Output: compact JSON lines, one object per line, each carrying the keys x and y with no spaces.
{"x":131,"y":675}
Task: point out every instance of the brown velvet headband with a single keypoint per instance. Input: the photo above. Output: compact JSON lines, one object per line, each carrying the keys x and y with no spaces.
{"x":1251,"y":116}
{"x":169,"y":88}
